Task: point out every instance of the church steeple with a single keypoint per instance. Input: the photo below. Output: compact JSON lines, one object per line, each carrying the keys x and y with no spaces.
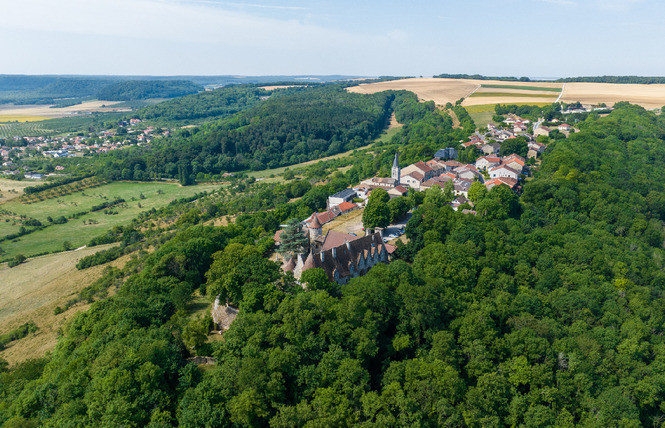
{"x":395,"y":173}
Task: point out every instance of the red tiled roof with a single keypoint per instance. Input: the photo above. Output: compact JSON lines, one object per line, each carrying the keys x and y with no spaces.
{"x":510,"y":182}
{"x":346,"y":206}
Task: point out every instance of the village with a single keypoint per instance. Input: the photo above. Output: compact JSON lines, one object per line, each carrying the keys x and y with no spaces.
{"x":351,"y":250}
{"x":16,"y":149}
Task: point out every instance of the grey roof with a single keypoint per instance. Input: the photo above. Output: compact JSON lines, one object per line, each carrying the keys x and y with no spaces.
{"x":345,"y":194}
{"x":396,"y":161}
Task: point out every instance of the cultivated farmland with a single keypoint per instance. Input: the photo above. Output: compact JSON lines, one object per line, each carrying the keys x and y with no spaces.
{"x":648,"y":96}
{"x":46,"y":111}
{"x":442,"y":91}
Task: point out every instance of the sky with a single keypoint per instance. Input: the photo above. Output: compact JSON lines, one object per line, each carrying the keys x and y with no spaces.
{"x":535,"y":38}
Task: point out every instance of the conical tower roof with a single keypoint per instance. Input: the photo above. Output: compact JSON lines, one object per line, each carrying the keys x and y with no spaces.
{"x":315,"y":223}
{"x":309,"y":263}
{"x":396,"y":161}
{"x":289,"y":265}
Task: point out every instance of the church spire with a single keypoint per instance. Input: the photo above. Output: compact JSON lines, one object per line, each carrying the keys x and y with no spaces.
{"x":395,"y":173}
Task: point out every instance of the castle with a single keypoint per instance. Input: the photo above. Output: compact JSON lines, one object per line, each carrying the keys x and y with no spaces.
{"x":340,"y":255}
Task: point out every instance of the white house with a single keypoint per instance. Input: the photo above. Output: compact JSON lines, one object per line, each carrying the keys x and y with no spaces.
{"x":486,"y":162}
{"x":503,"y":171}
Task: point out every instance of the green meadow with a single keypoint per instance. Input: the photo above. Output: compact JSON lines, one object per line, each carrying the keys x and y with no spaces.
{"x":138,"y":197}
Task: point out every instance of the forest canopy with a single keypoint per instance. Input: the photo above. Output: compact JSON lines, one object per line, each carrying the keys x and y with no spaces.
{"x":542,"y":310}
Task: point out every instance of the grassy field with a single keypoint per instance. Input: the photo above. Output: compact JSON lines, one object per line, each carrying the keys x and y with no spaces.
{"x":10,"y":189}
{"x":31,"y":291}
{"x":482,"y":113}
{"x":79,"y":231}
{"x":481,"y":119}
{"x":523,"y":88}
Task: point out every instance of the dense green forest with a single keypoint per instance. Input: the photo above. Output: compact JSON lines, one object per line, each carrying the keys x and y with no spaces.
{"x":32,"y":92}
{"x":298,"y":126}
{"x":218,"y":103}
{"x":26,"y":89}
{"x":131,"y":90}
{"x":544,"y":310}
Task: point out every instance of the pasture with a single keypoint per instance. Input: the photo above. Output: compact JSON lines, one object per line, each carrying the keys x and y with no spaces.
{"x":78,"y":231}
{"x":31,"y":292}
{"x":10,"y":189}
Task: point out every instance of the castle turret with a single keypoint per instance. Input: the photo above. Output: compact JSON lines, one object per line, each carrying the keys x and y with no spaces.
{"x":395,"y":173}
{"x":315,"y":228}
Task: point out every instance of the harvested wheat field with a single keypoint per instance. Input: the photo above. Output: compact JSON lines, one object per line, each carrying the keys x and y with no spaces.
{"x":508,"y":99}
{"x":441,"y":91}
{"x":31,"y":292}
{"x":648,"y":96}
{"x":45,"y":111}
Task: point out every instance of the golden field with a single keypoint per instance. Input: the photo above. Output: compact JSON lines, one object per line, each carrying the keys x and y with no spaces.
{"x":46,"y":112}
{"x":442,"y":91}
{"x":21,"y":118}
{"x":648,"y":96}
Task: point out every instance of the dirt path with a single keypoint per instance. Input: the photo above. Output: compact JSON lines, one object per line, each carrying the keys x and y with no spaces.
{"x":453,"y":116}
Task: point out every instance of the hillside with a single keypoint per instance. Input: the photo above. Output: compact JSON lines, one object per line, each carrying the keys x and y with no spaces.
{"x":132,"y":90}
{"x":297,"y":126}
{"x":215,"y":104}
{"x":542,"y":310}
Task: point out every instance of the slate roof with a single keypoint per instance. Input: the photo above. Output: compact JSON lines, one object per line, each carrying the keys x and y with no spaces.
{"x":344,"y":259}
{"x":344,"y":194}
{"x":335,"y":239}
